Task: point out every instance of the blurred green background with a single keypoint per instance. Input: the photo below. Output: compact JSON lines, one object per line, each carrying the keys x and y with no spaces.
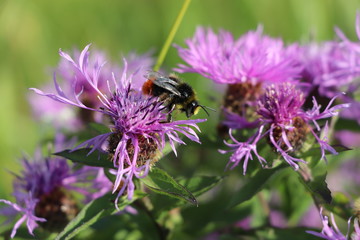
{"x":31,"y":32}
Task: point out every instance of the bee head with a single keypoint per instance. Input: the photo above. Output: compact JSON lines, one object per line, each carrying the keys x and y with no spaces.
{"x":192,"y":108}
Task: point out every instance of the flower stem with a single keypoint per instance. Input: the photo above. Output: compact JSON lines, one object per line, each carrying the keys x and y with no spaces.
{"x":171,"y":35}
{"x":162,"y":233}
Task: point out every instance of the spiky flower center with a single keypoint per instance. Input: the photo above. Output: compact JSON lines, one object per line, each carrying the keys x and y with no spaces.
{"x":134,"y":113}
{"x":58,"y":208}
{"x":280,"y":109}
{"x":280,"y":104}
{"x":240,"y":99}
{"x":238,"y":94}
{"x":296,"y":135}
{"x":148,"y":149}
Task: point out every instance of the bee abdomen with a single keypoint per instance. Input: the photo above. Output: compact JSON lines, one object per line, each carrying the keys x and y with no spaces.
{"x":147,"y":87}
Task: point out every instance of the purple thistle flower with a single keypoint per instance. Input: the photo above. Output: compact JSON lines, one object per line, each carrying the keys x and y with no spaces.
{"x":63,"y":116}
{"x":334,"y":67}
{"x":42,"y":192}
{"x":287,"y":126}
{"x":139,"y":129}
{"x":328,"y":67}
{"x":353,"y":72}
{"x":332,"y":232}
{"x":353,"y":49}
{"x":245,"y":64}
{"x":252,"y":58}
{"x":28,"y":203}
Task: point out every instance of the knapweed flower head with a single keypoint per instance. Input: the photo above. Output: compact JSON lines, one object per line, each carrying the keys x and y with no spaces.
{"x":252,"y":58}
{"x":43,"y":192}
{"x":331,"y":231}
{"x":63,"y":116}
{"x":246,"y":65}
{"x":353,"y":73}
{"x":328,"y":67}
{"x":138,"y":129}
{"x":333,"y":67}
{"x":285,"y":125}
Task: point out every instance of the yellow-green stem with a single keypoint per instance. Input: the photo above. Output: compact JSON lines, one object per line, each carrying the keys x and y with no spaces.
{"x":171,"y":36}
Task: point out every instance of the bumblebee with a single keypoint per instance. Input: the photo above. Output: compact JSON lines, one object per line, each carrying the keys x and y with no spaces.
{"x":175,"y":93}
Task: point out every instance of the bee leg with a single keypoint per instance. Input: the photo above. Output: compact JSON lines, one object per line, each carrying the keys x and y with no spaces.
{"x":171,"y":108}
{"x":169,"y":118}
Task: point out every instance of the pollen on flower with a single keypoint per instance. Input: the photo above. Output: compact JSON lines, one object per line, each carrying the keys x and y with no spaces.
{"x":239,"y":102}
{"x":238,"y":94}
{"x":296,"y":134}
{"x":281,"y":107}
{"x":148,"y":149}
{"x":280,"y":104}
{"x":58,"y":207}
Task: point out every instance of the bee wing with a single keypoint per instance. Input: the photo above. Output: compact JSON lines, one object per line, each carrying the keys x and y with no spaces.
{"x":167,"y":84}
{"x":153,"y":75}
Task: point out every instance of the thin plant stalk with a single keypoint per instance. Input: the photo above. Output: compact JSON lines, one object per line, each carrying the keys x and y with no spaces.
{"x":171,"y":35}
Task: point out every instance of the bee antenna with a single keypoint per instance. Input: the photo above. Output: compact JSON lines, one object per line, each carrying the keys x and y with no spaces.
{"x":205,"y":107}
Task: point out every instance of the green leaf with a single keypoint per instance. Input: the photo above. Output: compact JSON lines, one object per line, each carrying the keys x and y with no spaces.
{"x":94,"y":211}
{"x":255,"y":185}
{"x":100,"y":128}
{"x":95,"y":159}
{"x":161,"y":182}
{"x":197,"y":185}
{"x":319,"y":189}
{"x":200,"y":184}
{"x":292,"y":192}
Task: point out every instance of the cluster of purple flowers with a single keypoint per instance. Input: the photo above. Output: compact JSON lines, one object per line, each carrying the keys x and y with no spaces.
{"x":270,"y":85}
{"x":137,"y":133}
{"x":44,"y":190}
{"x":138,"y":128}
{"x":279,"y":93}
